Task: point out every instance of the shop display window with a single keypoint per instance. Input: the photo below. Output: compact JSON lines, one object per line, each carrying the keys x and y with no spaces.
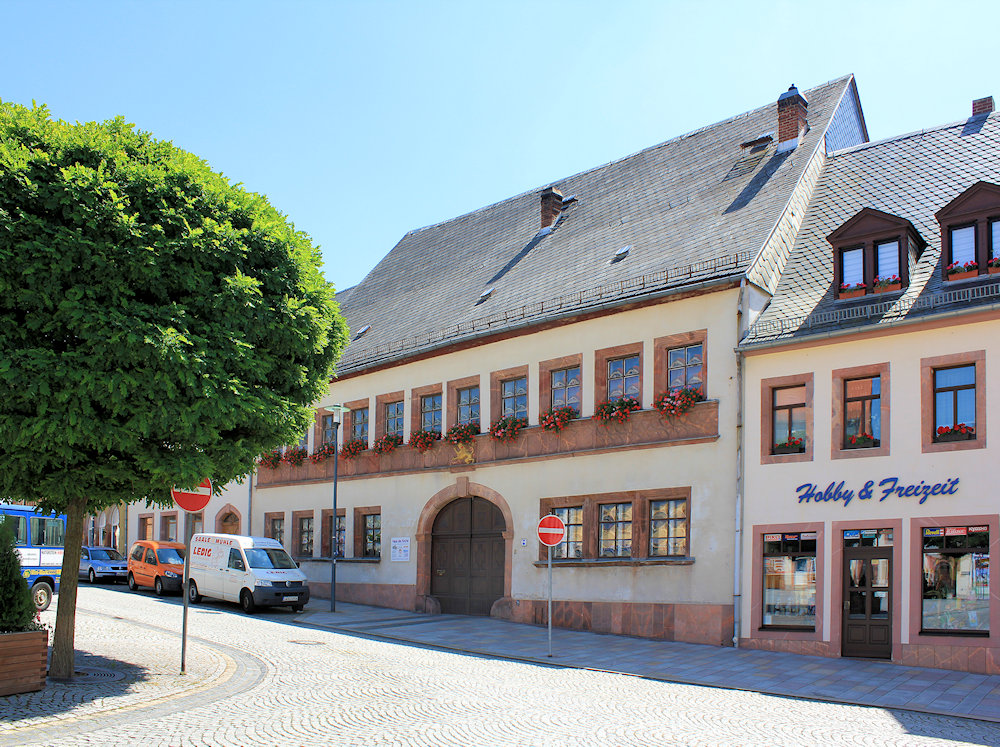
{"x":790,"y":580}
{"x":956,"y":580}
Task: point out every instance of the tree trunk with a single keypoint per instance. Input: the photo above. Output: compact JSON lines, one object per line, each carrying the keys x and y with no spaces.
{"x":63,"y":653}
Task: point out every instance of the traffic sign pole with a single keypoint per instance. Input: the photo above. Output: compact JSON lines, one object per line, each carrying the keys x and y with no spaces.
{"x":191,"y":501}
{"x":551,"y":530}
{"x":550,"y":604}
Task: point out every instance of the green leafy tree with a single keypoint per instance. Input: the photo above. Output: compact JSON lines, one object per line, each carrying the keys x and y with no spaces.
{"x":17,"y":610}
{"x":158,"y":325}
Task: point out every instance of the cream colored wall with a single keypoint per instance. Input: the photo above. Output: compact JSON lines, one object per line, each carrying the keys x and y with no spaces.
{"x":234,"y":494}
{"x":771,"y":496}
{"x":709,"y":469}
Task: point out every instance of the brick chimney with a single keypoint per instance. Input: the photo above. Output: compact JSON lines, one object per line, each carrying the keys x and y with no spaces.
{"x":982,"y":106}
{"x":791,"y":118}
{"x":551,"y":206}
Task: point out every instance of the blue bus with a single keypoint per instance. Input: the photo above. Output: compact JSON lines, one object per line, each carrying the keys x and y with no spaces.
{"x":39,"y":540}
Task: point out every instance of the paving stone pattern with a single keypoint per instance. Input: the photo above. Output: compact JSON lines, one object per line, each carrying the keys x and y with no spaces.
{"x":270,"y":680}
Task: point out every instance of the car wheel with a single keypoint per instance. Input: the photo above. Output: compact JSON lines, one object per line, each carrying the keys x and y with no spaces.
{"x":158,"y":586}
{"x":246,"y":601}
{"x":132,"y":585}
{"x":41,"y":594}
{"x":91,"y":576}
{"x":193,"y":596}
{"x":297,"y":607}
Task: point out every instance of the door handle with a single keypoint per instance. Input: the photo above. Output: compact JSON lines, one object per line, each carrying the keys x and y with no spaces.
{"x":440,"y":572}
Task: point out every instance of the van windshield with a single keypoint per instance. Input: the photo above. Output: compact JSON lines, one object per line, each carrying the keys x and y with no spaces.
{"x":170,"y":555}
{"x":269,"y":558}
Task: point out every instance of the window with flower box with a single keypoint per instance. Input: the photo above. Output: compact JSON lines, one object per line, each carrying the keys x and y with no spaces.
{"x":566,"y":388}
{"x":969,"y":232}
{"x":623,"y":378}
{"x":873,"y":253}
{"x":953,"y":408}
{"x":860,"y":416}
{"x":430,"y":413}
{"x":786,"y":419}
{"x":359,"y":424}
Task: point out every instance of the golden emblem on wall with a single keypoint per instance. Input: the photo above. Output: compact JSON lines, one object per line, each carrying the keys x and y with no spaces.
{"x":465,"y":453}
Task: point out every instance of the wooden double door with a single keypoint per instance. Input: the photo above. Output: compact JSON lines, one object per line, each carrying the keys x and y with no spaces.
{"x":868,"y":600}
{"x":467,"y":556}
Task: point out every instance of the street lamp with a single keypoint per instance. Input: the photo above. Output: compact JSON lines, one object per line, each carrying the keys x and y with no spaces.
{"x":337,"y":413}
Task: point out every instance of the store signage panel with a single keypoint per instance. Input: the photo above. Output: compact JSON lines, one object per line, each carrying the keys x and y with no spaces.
{"x":888,"y":487}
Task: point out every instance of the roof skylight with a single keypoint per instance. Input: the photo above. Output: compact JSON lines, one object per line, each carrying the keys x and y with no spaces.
{"x":362,"y":331}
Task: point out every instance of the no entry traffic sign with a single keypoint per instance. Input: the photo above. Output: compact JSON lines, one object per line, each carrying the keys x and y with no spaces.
{"x":551,"y":530}
{"x":193,"y":500}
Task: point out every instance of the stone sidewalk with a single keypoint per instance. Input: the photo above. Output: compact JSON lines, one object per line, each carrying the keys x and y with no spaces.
{"x":850,"y":681}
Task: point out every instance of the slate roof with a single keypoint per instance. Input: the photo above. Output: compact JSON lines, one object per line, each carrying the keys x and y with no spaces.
{"x":912,"y":177}
{"x":693,"y":208}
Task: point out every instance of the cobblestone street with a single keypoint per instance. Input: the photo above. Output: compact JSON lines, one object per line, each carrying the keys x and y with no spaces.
{"x":266,"y":680}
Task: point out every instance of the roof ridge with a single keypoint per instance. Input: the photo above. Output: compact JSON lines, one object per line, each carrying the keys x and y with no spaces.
{"x":633,"y":154}
{"x":904,"y":136}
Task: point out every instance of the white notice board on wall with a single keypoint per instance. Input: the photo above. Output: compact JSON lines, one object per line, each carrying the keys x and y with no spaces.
{"x":399,"y":549}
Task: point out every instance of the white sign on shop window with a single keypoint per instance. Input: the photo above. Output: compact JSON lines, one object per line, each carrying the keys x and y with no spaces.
{"x":399,"y":549}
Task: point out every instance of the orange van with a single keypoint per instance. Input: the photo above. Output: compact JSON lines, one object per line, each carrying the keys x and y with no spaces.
{"x":156,"y":565}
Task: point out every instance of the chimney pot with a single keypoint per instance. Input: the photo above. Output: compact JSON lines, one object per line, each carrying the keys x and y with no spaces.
{"x":982,"y":106}
{"x":551,"y":206}
{"x":792,"y":122}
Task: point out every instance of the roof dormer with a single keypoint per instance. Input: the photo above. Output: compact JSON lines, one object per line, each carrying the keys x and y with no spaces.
{"x":873,"y":252}
{"x":970,"y":232}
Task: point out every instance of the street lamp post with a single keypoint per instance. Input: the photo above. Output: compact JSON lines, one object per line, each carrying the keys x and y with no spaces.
{"x":337,"y":415}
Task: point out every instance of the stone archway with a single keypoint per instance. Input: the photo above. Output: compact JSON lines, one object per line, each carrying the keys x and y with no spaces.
{"x":228,"y":520}
{"x":425,"y":534}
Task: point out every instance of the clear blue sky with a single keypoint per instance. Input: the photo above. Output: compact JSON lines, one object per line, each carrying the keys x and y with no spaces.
{"x":362,"y":121}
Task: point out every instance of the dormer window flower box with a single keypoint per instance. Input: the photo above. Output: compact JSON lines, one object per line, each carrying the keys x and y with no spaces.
{"x":852,"y":290}
{"x":970,"y":231}
{"x":791,"y":446}
{"x":960,"y":432}
{"x":874,"y":252}
{"x":962,"y":270}
{"x":888,"y":284}
{"x":993,"y":266}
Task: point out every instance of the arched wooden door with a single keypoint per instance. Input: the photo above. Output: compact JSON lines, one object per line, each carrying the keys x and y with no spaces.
{"x":230,"y":523}
{"x":467,"y":556}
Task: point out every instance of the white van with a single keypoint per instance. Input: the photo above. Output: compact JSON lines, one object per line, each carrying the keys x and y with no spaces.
{"x":254,"y":571}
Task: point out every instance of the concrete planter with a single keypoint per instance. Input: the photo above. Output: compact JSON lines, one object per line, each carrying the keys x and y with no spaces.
{"x":23,"y":661}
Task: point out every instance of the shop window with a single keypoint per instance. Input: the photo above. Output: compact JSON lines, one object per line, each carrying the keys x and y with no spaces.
{"x":468,"y":405}
{"x":956,"y":580}
{"x":970,"y":230}
{"x":668,"y":528}
{"x":786,"y":419}
{"x":615,"y":539}
{"x":789,"y":595}
{"x":430,"y":413}
{"x":572,"y":543}
{"x":359,"y":424}
{"x":873,"y":253}
{"x":394,"y":418}
{"x":565,"y":389}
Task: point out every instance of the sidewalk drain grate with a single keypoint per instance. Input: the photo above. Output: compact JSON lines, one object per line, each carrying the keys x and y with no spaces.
{"x":87,"y":675}
{"x":308,"y":643}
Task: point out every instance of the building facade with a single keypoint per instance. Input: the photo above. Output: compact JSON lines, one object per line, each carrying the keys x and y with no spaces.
{"x":870,"y":511}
